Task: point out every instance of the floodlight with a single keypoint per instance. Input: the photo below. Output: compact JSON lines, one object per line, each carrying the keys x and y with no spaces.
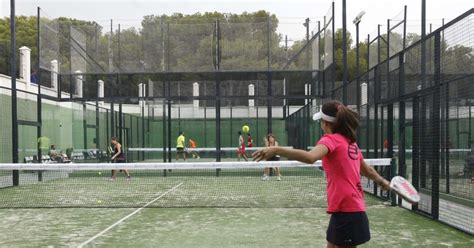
{"x":358,"y":17}
{"x":306,"y":22}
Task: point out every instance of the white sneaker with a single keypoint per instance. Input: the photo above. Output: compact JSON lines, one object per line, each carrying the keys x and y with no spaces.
{"x":112,"y":179}
{"x":265,"y":178}
{"x":278,"y":178}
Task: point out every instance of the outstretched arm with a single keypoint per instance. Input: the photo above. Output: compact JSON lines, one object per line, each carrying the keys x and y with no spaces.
{"x":370,"y":172}
{"x":309,"y":157}
{"x":119,"y":150}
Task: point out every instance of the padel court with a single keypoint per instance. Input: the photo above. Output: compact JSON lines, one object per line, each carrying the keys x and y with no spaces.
{"x":190,"y":98}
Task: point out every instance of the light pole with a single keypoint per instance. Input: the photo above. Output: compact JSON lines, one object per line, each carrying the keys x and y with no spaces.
{"x":284,"y":79}
{"x":306,"y":25}
{"x":344,"y":54}
{"x":356,"y":21}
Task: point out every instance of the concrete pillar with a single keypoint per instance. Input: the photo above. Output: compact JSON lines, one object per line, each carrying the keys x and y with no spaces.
{"x":78,"y":83}
{"x":100,"y":88}
{"x":54,"y":74}
{"x":196,"y":93}
{"x":25,"y":64}
{"x":363,"y":94}
{"x":141,"y":91}
{"x":151,"y":88}
{"x":251,"y":93}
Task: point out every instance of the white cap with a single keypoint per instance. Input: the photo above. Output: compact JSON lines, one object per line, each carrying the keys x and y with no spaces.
{"x":320,"y":115}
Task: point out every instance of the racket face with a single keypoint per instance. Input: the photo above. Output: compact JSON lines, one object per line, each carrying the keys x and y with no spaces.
{"x":405,"y":189}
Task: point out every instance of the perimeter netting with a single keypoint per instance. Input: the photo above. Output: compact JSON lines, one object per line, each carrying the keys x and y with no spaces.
{"x":205,"y":184}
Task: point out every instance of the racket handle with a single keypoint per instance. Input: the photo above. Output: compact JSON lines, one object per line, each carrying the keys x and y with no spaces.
{"x":385,"y":184}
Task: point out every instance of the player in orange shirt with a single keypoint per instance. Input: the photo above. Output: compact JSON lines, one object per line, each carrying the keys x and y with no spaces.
{"x":193,"y":146}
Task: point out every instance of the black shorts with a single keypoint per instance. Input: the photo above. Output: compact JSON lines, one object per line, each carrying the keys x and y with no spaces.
{"x":348,"y":229}
{"x":274,"y":158}
{"x":180,"y":150}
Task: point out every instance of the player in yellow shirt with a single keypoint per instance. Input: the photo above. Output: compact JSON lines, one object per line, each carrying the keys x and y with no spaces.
{"x":180,"y":146}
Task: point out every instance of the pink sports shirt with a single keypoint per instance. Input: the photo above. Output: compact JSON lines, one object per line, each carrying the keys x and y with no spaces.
{"x":342,"y":167}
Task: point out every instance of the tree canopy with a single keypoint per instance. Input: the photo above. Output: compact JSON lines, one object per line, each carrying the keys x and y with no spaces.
{"x":179,"y":42}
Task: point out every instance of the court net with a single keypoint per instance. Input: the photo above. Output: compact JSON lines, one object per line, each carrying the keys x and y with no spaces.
{"x":204,"y":184}
{"x":135,"y":154}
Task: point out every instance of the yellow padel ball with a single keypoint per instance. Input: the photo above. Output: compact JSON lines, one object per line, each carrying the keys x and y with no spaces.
{"x":245,"y":128}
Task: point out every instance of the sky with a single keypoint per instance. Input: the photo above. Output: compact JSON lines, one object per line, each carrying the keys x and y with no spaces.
{"x":291,"y":13}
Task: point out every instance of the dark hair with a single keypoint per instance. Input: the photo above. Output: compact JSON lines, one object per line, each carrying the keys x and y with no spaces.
{"x":248,"y":134}
{"x":181,"y":132}
{"x":271,"y":135}
{"x":347,"y":121}
{"x":115,"y":139}
{"x":239,"y":133}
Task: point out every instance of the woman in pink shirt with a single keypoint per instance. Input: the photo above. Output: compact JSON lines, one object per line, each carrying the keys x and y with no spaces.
{"x":343,"y":163}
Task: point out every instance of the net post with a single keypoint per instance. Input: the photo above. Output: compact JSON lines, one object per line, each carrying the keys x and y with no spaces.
{"x":40,"y":176}
{"x":16,"y":177}
{"x":39,"y":118}
{"x":14,"y":106}
{"x":393,"y":172}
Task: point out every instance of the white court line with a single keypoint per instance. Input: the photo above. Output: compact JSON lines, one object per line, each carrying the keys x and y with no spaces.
{"x":128,"y":216}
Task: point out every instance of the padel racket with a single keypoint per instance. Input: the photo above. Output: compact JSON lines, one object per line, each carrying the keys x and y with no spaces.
{"x":404,"y":189}
{"x":110,"y":150}
{"x":110,"y":154}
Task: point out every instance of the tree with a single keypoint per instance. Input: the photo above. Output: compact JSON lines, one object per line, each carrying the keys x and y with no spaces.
{"x":179,"y":42}
{"x":25,"y":36}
